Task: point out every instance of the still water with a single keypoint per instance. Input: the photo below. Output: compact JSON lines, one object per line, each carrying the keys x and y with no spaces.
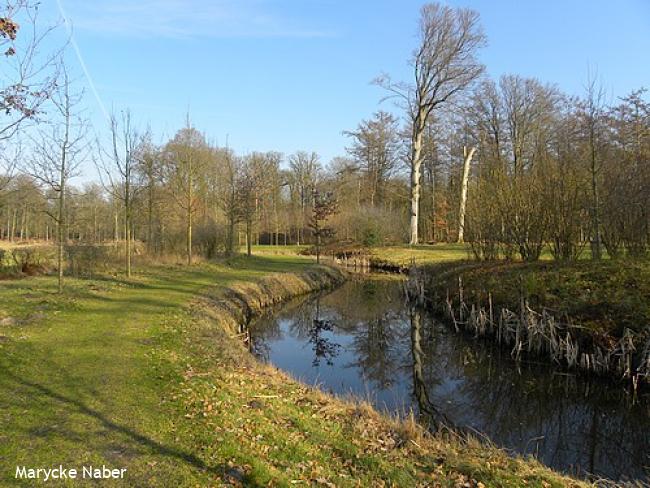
{"x":362,"y":339}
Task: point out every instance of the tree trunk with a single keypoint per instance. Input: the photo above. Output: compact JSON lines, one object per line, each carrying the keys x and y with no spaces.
{"x":128,"y":249}
{"x":95,"y":226}
{"x":416,"y":165}
{"x":249,"y":238}
{"x":150,"y":244}
{"x":61,"y":225}
{"x":463,"y":193}
{"x":162,"y":236}
{"x":116,"y":229}
{"x":127,"y":225}
{"x":433,"y":204}
{"x":595,"y":217}
{"x":13,"y":226}
{"x":190,"y":197}
{"x":189,"y":236}
{"x":22,"y":224}
{"x":230,"y":244}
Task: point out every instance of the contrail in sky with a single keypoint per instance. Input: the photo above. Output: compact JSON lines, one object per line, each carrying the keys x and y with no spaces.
{"x":89,"y":78}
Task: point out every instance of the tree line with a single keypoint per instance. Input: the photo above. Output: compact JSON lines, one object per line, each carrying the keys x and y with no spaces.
{"x":512,"y":166}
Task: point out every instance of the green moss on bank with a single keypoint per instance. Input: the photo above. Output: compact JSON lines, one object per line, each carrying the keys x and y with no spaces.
{"x":145,"y":374}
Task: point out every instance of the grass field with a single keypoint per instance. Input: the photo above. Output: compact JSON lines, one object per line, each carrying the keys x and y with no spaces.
{"x":4,"y":244}
{"x":266,"y":250}
{"x":133,"y":374}
{"x":421,"y":255}
{"x":400,"y":255}
{"x":405,"y":255}
{"x":77,"y":384}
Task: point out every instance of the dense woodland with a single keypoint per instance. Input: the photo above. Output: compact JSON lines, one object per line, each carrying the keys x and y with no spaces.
{"x":512,"y":166}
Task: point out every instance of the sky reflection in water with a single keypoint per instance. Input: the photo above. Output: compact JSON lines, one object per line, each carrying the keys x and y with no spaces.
{"x":362,"y":339}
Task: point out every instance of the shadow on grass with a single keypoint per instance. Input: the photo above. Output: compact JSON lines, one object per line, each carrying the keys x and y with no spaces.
{"x":223,"y":470}
{"x":110,"y":425}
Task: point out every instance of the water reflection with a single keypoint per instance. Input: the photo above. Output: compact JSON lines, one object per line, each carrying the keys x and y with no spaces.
{"x":323,"y":346}
{"x":429,"y":413}
{"x":361,"y":338}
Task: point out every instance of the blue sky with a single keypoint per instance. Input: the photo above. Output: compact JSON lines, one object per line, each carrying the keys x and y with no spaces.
{"x":289,"y":74}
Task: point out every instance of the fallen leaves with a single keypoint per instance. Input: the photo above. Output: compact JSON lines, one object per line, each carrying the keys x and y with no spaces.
{"x":275,"y":431}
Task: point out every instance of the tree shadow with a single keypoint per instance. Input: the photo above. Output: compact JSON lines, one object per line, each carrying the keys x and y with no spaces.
{"x":223,"y":470}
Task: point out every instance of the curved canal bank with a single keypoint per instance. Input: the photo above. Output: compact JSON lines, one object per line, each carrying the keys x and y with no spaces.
{"x":284,"y":431}
{"x":362,"y":339}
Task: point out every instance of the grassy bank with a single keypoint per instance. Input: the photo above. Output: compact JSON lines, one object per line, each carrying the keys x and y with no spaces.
{"x":145,"y":374}
{"x":603,"y":306}
{"x":607,"y":296}
{"x":406,"y":256}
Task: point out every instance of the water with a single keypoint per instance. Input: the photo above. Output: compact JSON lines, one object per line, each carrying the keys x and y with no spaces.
{"x":362,"y":339}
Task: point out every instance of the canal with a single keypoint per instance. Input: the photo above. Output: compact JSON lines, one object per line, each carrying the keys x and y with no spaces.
{"x":362,"y":339}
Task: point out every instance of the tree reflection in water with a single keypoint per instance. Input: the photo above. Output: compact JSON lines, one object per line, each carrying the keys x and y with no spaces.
{"x":362,"y":337}
{"x":429,"y":413}
{"x":323,"y":347}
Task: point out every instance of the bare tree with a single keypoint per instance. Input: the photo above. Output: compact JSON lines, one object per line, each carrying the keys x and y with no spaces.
{"x":376,"y":150}
{"x":246,"y":202}
{"x":592,"y":118}
{"x":59,"y":148}
{"x":444,"y":64}
{"x":305,"y":170}
{"x":149,"y":173}
{"x":9,"y":158}
{"x":27,"y":81}
{"x":118,"y":171}
{"x":187,"y":154}
{"x":513,"y":127}
{"x":254,"y":185}
{"x":228,"y":200}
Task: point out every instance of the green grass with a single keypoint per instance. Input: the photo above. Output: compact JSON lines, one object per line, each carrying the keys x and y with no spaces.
{"x":400,"y":255}
{"x":135,"y":373}
{"x":421,"y":255}
{"x":76,"y":370}
{"x":272,"y":250}
{"x":602,"y":296}
{"x":428,"y":254}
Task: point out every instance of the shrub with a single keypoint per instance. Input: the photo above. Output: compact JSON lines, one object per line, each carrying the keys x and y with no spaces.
{"x":29,"y":260}
{"x":86,"y":259}
{"x":209,"y":239}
